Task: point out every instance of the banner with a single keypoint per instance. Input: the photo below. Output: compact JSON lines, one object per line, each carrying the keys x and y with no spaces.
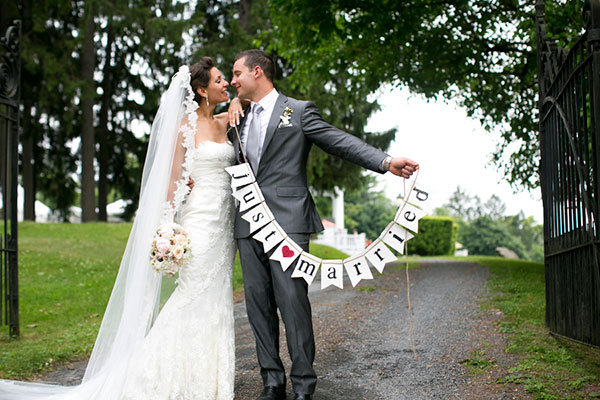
{"x":270,"y":236}
{"x":306,"y":267}
{"x":265,"y":229}
{"x":258,"y":217}
{"x":357,"y":269}
{"x":409,"y":217}
{"x":287,"y":252}
{"x":248,"y":196}
{"x":332,"y":273}
{"x":379,"y":254}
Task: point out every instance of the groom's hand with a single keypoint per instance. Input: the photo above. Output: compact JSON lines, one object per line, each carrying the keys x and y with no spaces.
{"x":403,"y":167}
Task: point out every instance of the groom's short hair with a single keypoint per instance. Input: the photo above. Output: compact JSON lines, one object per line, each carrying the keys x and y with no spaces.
{"x":259,"y":58}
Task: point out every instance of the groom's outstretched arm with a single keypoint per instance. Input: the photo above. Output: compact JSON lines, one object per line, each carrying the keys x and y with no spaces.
{"x":340,"y":143}
{"x":349,"y":147}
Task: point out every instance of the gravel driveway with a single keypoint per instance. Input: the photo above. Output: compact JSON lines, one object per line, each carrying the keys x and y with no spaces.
{"x":363,"y":351}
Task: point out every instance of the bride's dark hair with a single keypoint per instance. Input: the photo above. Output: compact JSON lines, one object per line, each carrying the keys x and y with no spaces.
{"x":200,"y":76}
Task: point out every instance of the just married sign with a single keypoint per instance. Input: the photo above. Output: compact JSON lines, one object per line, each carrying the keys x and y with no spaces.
{"x":266,"y":230}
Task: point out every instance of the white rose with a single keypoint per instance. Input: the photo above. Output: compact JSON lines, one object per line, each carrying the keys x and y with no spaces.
{"x":178,"y":252}
{"x":166,"y":232}
{"x":180,"y":240}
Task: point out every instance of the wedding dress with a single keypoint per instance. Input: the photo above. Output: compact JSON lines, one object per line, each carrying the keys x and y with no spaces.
{"x":185,"y":352}
{"x":189,"y":352}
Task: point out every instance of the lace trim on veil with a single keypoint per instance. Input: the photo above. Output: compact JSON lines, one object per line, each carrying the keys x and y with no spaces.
{"x":188,"y":131}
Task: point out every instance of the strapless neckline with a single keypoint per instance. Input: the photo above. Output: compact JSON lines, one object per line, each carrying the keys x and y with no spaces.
{"x":212,"y":141}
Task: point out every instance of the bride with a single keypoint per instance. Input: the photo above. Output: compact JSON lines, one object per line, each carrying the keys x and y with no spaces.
{"x":187,"y":350}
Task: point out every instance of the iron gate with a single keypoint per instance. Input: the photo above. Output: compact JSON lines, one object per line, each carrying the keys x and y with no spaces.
{"x":569,"y":84}
{"x":10,"y":71}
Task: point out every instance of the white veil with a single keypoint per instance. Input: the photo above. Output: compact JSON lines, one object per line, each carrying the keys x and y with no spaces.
{"x":135,"y":296}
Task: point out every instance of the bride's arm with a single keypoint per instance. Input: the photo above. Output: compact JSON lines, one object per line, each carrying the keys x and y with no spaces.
{"x":236,"y":110}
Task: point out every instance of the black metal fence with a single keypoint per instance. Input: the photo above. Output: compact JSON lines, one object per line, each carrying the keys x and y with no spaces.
{"x":10,"y":71}
{"x":570,"y":177}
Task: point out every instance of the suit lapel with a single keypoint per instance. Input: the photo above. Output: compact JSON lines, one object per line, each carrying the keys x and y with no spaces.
{"x":274,"y":122}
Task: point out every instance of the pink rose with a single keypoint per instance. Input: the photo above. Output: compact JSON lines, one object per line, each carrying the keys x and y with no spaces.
{"x":163,"y":245}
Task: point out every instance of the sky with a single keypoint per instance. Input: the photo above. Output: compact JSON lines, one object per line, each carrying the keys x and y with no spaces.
{"x":451,"y":149}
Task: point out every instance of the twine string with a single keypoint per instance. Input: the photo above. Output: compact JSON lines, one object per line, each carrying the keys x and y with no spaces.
{"x":410,"y":316}
{"x":239,"y":141}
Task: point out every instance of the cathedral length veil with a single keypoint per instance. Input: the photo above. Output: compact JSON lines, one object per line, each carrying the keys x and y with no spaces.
{"x":134,"y":301}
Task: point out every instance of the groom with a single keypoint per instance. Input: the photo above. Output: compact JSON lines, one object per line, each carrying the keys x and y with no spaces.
{"x":276,"y":135}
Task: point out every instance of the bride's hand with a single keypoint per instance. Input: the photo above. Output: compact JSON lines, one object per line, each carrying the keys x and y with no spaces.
{"x":235,"y":111}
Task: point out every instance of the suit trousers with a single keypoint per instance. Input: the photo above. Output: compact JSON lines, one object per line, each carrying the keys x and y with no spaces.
{"x":268,"y":288}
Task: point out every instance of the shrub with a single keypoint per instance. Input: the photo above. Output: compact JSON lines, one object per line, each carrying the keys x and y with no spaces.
{"x":436,"y":236}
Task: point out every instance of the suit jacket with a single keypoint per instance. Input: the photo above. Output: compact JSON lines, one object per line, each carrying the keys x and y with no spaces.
{"x":281,"y":173}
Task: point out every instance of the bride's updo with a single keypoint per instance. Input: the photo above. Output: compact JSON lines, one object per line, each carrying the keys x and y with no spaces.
{"x":200,"y":76}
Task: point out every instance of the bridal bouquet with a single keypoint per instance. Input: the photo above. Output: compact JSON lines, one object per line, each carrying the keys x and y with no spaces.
{"x":170,"y":249}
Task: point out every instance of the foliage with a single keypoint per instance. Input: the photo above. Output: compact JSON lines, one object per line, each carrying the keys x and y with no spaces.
{"x":436,"y":236}
{"x":138,"y":45}
{"x":483,"y":235}
{"x":548,"y":367}
{"x":365,"y":210}
{"x":326,"y":252}
{"x":482,"y":226}
{"x":481,"y":53}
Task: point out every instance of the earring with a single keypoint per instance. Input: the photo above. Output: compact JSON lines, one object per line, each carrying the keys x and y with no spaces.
{"x":207,"y":103}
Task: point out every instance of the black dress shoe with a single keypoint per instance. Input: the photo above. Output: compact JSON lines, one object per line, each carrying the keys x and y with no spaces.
{"x":273,"y":393}
{"x":303,"y":396}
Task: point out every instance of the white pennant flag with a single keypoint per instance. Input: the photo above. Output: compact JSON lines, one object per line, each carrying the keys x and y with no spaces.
{"x":419,"y":197}
{"x":357,"y":269}
{"x":258,"y":217}
{"x":395,"y":236}
{"x":379,"y":255}
{"x":287,"y":252}
{"x":332,"y":273}
{"x":270,"y":236}
{"x":241,"y":175}
{"x":409,"y":217}
{"x":307,"y":267}
{"x":249,"y":196}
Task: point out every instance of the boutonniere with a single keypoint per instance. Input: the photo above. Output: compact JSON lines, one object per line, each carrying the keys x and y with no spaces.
{"x":285,"y":117}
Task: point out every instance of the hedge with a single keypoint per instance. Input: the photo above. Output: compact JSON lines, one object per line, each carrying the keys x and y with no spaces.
{"x":436,"y":236}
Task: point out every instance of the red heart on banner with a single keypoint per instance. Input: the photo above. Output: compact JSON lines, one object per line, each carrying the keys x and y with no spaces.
{"x":287,"y":253}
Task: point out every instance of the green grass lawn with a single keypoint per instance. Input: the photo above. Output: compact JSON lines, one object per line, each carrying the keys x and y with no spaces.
{"x":66,"y":274}
{"x":549,"y":368}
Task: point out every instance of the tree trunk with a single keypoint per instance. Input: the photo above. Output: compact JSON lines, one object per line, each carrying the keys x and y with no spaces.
{"x":103,"y":128}
{"x":245,"y":7}
{"x":88,"y":201}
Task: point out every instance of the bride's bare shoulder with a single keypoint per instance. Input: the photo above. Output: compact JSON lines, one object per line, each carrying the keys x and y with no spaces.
{"x":222,"y":118}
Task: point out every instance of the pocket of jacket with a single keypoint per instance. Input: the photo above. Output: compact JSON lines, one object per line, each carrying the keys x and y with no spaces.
{"x":297,"y":191}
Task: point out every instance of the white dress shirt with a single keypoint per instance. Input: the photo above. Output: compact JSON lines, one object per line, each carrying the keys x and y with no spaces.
{"x":267,"y":103}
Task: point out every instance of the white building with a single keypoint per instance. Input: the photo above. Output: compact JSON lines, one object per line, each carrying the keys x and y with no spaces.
{"x":335,"y":235}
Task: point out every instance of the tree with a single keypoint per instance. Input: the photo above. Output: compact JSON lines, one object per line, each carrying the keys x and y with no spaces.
{"x":88,"y":58}
{"x":481,"y":53}
{"x":225,"y":28}
{"x":483,"y":235}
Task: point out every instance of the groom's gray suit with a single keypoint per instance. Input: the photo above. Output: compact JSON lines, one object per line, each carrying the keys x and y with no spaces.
{"x":281,"y":176}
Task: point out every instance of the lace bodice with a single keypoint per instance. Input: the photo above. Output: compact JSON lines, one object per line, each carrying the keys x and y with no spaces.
{"x":210,"y":160}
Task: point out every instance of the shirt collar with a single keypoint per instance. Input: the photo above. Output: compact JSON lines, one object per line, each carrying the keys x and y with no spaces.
{"x":268,"y":102}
